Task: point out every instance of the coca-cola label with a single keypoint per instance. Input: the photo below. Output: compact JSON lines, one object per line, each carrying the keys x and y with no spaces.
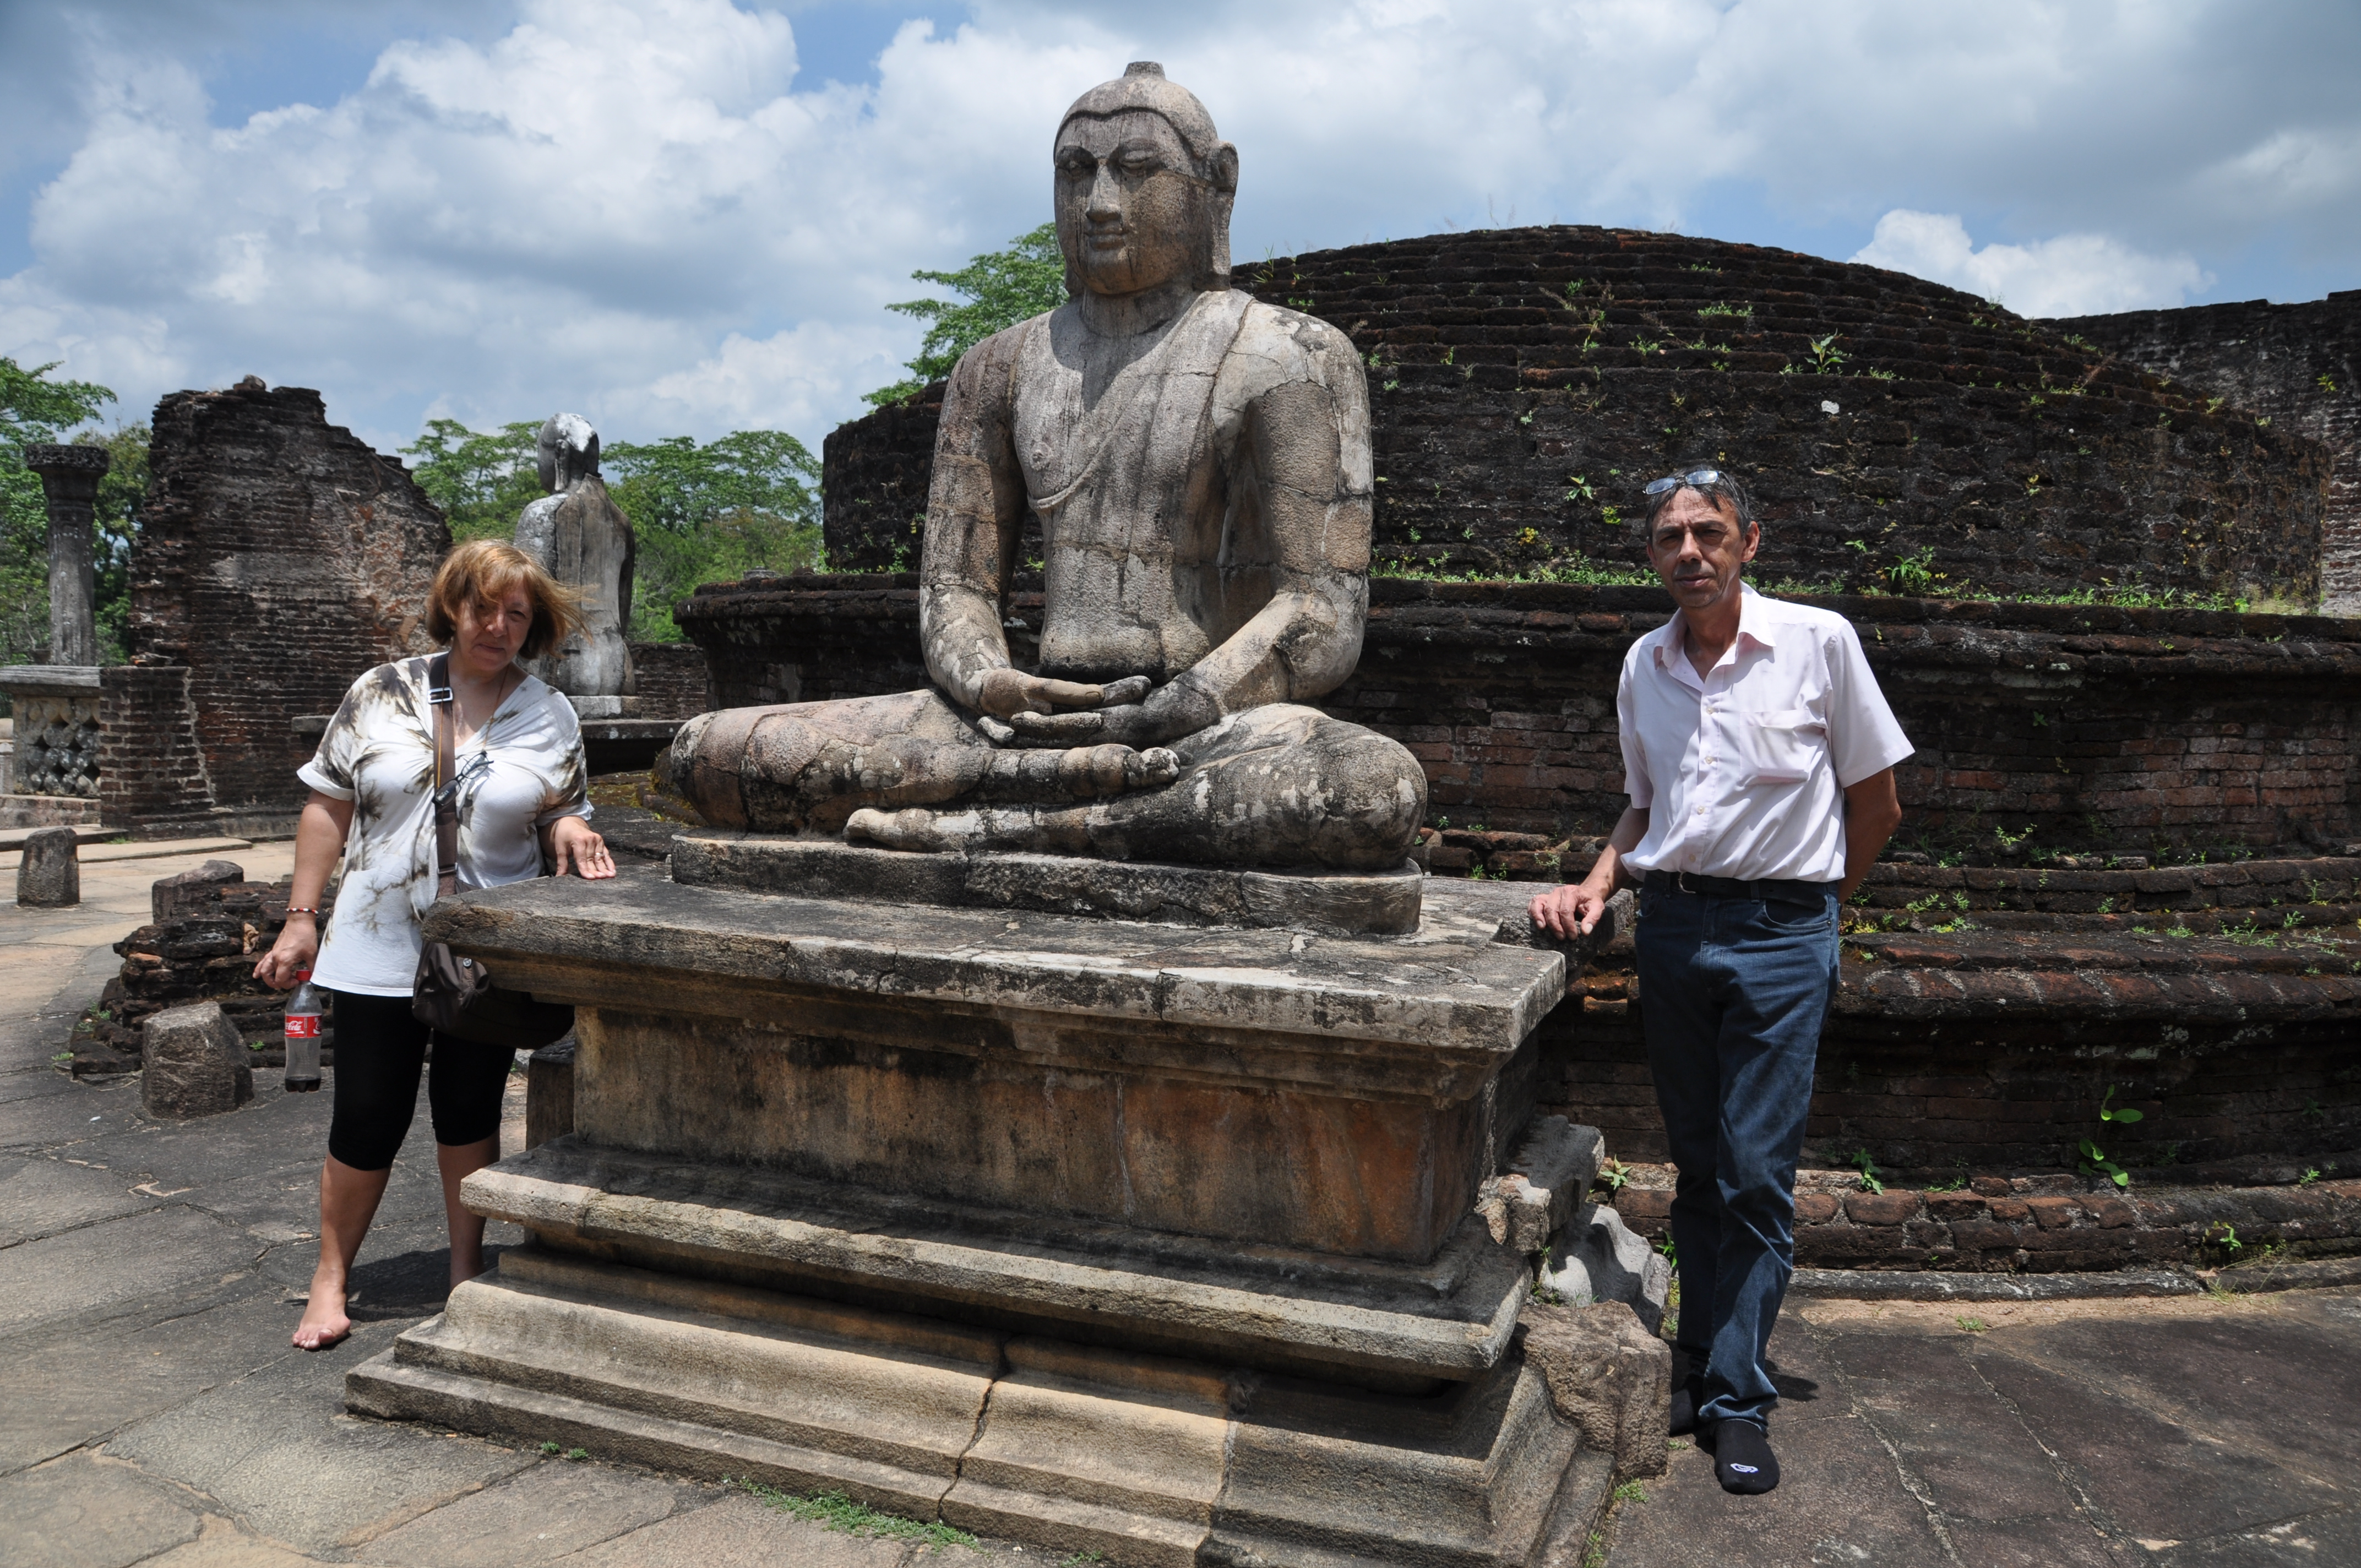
{"x":302,"y":1027}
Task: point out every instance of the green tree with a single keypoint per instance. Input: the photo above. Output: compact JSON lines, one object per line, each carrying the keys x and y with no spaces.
{"x":670,"y":565}
{"x":1001,"y":289}
{"x":120,"y":496}
{"x":33,"y":410}
{"x":481,"y":481}
{"x":744,"y":502}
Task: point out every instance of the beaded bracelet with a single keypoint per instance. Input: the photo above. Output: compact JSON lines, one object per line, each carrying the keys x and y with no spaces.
{"x":299,"y":909}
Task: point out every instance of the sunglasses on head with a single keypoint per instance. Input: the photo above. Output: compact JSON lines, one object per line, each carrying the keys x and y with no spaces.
{"x":1696,"y":479}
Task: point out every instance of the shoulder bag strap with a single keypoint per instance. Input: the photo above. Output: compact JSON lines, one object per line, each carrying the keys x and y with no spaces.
{"x":446,"y":788}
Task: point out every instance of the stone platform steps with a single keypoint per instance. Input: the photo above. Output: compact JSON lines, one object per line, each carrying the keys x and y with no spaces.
{"x":22,"y":812}
{"x":1146,"y":1460}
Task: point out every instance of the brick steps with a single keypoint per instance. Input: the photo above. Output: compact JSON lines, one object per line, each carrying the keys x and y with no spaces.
{"x":2001,"y":1226}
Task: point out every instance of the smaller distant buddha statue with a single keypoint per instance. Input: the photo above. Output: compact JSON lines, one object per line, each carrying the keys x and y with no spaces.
{"x":582,"y":538}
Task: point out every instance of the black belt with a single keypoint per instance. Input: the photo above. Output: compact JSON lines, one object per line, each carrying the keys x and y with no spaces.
{"x":1786,"y":891}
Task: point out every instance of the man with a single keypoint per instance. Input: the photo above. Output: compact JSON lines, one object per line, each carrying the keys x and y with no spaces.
{"x":1758,"y":757}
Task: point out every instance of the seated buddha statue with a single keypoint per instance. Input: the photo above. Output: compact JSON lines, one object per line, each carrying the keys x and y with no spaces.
{"x":1200,"y":465}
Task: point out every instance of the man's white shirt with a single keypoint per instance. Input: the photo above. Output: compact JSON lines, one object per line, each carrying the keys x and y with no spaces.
{"x":1742,"y":771}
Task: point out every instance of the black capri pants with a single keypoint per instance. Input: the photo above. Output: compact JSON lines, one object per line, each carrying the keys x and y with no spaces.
{"x":380,"y":1049}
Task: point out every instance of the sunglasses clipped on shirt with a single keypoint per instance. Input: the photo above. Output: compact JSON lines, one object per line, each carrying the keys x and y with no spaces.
{"x":1696,"y":479}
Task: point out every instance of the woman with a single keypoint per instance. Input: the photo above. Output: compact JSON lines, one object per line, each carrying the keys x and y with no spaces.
{"x":522,"y":798}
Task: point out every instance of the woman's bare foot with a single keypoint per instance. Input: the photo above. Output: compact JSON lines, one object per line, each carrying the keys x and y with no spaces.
{"x":324,"y":1321}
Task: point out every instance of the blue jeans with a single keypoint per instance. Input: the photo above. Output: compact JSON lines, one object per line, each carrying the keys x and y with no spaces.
{"x":1732,"y":991}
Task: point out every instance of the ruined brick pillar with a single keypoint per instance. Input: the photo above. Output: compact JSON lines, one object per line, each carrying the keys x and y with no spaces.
{"x":278,"y":559}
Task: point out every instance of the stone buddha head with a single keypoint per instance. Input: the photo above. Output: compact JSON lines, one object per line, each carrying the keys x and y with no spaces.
{"x":569,"y":452}
{"x":1144,"y":188}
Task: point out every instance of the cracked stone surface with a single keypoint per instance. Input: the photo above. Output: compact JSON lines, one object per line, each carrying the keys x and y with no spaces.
{"x":1199,"y":464}
{"x":155,"y":1415}
{"x":2175,"y":1432}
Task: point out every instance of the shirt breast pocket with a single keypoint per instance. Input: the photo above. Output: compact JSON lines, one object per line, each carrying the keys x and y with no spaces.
{"x":1781,"y":747}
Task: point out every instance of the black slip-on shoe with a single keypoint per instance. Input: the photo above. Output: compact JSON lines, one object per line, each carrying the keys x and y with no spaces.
{"x":1742,"y":1460}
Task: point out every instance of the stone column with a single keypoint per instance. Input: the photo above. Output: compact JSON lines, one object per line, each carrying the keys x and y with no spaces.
{"x":70,"y":477}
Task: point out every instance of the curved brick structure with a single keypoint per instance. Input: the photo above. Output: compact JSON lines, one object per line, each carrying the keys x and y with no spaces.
{"x":1513,"y":373}
{"x":2299,"y":365}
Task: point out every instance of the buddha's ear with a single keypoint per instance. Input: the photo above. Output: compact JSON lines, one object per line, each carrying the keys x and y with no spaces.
{"x":1224,"y":176}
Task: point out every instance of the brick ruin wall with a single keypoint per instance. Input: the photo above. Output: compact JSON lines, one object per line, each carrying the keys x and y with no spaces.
{"x":1995,"y":1053}
{"x":670,"y":679}
{"x":2067,"y":754}
{"x":2042,"y":729}
{"x":2299,"y":365}
{"x":1524,"y":382}
{"x":2130,"y":863}
{"x":278,"y":559}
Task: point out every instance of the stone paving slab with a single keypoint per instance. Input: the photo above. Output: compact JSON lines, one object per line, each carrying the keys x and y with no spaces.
{"x":738,"y":1532}
{"x":275,"y":1451}
{"x":46,"y":1197}
{"x":2111,"y":1433}
{"x":77,"y":1383}
{"x":563,"y":1508}
{"x":173,"y":1251}
{"x":85,"y":1510}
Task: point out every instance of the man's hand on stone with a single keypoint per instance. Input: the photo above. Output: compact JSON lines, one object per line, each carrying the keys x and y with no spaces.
{"x":1568,"y":910}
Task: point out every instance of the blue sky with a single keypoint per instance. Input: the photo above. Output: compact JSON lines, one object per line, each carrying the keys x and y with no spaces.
{"x":687,"y":215}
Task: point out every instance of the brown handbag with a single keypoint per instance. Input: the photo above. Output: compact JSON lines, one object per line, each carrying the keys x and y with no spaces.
{"x":451,"y":994}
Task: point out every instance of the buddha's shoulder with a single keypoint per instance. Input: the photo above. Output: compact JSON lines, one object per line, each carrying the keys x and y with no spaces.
{"x":1282,"y":344}
{"x":987,"y":364}
{"x":1267,"y":324}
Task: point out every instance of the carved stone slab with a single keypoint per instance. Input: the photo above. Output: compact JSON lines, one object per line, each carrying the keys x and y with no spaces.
{"x":641,"y":942}
{"x":1331,"y":903}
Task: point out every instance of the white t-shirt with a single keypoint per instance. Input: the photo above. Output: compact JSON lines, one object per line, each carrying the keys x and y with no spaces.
{"x":1741,"y":770}
{"x":520,"y":773}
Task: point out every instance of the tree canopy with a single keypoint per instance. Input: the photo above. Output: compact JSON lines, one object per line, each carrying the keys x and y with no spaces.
{"x":677,"y":484}
{"x":1001,"y":288}
{"x":480,"y":480}
{"x":35,"y":409}
{"x":700,"y":514}
{"x":712,"y":513}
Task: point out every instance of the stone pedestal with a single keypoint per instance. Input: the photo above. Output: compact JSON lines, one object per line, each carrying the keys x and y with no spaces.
{"x":56,"y":729}
{"x":1164,"y":1241}
{"x":48,"y":872}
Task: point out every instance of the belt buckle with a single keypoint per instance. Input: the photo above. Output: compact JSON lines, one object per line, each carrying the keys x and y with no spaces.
{"x":1681,"y":884}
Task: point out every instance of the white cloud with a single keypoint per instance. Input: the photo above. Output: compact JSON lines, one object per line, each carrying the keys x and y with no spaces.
{"x":2071,"y":275}
{"x":641,"y":210}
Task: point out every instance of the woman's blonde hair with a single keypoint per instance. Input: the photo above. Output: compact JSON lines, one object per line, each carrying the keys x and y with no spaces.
{"x":487,"y":571}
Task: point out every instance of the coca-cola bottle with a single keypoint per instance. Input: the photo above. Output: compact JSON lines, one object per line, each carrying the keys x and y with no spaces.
{"x":303,"y":1036}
